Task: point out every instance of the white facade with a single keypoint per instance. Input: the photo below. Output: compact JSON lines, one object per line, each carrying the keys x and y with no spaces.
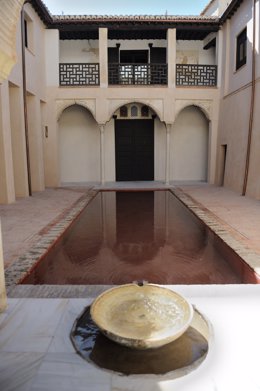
{"x":200,"y":132}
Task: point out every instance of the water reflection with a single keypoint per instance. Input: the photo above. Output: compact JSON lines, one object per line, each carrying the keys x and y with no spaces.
{"x":126,"y":236}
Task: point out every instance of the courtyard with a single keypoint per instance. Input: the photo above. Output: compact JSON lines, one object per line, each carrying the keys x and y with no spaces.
{"x":36,"y":350}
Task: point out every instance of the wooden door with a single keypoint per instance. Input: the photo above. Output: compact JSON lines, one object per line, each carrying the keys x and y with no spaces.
{"x":134,"y":142}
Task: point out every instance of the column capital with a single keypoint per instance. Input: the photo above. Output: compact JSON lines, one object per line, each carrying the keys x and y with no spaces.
{"x":102,"y":127}
{"x":168,"y":127}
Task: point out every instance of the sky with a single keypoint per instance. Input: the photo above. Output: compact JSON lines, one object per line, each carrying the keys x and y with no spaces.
{"x":125,"y":7}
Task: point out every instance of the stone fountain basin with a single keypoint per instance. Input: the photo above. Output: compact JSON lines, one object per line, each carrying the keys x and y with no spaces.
{"x":141,"y":316}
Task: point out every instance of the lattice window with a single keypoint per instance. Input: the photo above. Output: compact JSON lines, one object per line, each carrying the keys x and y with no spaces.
{"x":196,"y":75}
{"x":79,"y":74}
{"x":145,"y":111}
{"x":134,"y":111}
{"x":123,"y":111}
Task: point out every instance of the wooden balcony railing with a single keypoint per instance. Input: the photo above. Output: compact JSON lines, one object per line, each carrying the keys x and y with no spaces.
{"x":137,"y":74}
{"x":196,"y":75}
{"x":86,"y":74}
{"x":80,"y":74}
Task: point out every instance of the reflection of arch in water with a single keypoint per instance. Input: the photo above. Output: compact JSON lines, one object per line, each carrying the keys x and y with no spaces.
{"x":79,"y":146}
{"x":189,"y":145}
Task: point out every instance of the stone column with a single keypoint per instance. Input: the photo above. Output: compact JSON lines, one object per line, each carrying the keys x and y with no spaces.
{"x":2,"y":277}
{"x":18,"y":142}
{"x":7,"y":188}
{"x":102,"y":154}
{"x":213,"y":131}
{"x":171,"y":57}
{"x":35,"y":143}
{"x":51,"y":147}
{"x":103,"y":67}
{"x":167,"y":155}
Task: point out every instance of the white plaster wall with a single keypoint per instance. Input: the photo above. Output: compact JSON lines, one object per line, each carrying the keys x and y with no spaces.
{"x":253,"y":188}
{"x":235,"y":106}
{"x":35,"y":58}
{"x":189,"y":146}
{"x":83,"y":51}
{"x":36,"y":88}
{"x":192,"y":52}
{"x":52,"y":57}
{"x":212,"y":10}
{"x":241,"y":19}
{"x":87,"y":51}
{"x":79,"y":146}
{"x":133,"y":44}
{"x":217,"y":7}
{"x":257,"y":39}
{"x":233,"y":131}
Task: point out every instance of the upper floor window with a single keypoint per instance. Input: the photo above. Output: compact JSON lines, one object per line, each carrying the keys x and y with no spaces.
{"x":241,"y":49}
{"x":25,"y":33}
{"x":28,"y":33}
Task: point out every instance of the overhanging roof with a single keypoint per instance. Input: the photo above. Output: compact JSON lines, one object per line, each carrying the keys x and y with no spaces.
{"x":132,"y":26}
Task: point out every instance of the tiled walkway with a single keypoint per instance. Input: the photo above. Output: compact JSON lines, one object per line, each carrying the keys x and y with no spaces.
{"x":240,"y":213}
{"x":23,"y":221}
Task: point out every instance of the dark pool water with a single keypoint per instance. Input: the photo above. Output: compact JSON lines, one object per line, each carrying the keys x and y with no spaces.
{"x":122,"y":237}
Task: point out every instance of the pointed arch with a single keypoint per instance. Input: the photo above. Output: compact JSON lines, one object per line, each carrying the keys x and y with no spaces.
{"x":62,"y":105}
{"x":143,"y":102}
{"x":204,"y":105}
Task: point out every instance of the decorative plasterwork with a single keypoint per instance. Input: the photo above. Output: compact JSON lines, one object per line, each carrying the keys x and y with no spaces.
{"x":155,"y":104}
{"x":9,"y":18}
{"x":205,"y":105}
{"x":89,"y":104}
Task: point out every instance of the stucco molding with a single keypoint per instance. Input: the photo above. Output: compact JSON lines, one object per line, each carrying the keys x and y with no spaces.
{"x":206,"y":106}
{"x":89,"y":104}
{"x":9,"y":17}
{"x":155,"y":104}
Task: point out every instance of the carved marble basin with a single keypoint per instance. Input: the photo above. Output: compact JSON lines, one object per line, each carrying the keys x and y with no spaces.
{"x":141,"y":316}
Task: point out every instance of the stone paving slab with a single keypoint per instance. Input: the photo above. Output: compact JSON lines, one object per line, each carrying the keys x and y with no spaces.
{"x":242,"y":214}
{"x":223,"y":228}
{"x":47,"y":239}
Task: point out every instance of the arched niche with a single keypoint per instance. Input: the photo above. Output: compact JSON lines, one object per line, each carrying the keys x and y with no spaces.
{"x":79,"y":146}
{"x":189,"y":146}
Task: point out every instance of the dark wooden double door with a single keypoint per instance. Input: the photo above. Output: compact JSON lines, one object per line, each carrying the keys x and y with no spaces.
{"x":134,"y":143}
